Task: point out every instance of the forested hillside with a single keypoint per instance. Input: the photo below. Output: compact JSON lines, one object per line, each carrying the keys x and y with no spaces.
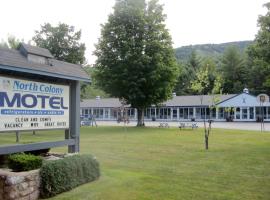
{"x":208,"y":50}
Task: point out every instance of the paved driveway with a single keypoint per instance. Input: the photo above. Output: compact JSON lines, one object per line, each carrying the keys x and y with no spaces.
{"x":225,"y":125}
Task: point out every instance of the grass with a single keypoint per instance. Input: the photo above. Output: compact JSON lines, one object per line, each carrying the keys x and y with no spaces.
{"x":164,"y":164}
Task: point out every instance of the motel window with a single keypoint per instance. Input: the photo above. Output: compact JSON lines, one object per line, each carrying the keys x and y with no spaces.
{"x":175,"y":113}
{"x":251,"y":113}
{"x":157,"y":113}
{"x":221,"y":113}
{"x":153,"y":112}
{"x":185,"y":113}
{"x":106,"y":113}
{"x":237,"y":113}
{"x":190,"y":112}
{"x":268,"y":112}
{"x":181,"y":113}
{"x":198,"y":113}
{"x":244,"y":113}
{"x":113,"y":114}
{"x":213,"y":113}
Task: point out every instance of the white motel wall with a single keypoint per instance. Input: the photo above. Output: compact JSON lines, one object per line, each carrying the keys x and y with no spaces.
{"x":231,"y":107}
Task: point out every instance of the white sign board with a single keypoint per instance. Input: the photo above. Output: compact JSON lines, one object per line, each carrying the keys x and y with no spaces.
{"x":31,"y":105}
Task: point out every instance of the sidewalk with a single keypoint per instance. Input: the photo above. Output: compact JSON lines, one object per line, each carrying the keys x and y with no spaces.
{"x":226,"y":125}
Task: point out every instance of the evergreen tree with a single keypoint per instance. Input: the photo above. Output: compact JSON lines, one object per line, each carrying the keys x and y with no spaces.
{"x":187,"y":74}
{"x":135,"y":58}
{"x":233,"y":70}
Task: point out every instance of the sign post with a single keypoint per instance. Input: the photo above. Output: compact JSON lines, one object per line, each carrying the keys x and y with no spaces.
{"x":262,"y":98}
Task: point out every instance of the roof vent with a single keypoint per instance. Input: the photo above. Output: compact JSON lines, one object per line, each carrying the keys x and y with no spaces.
{"x":174,"y":94}
{"x":245,"y":90}
{"x":97,"y":97}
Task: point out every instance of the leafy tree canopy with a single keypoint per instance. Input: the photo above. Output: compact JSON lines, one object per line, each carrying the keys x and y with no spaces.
{"x":12,"y":42}
{"x":259,"y":54}
{"x":88,"y":90}
{"x":62,"y":41}
{"x":135,"y":58}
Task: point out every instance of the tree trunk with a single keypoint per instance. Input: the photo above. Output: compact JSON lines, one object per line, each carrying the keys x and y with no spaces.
{"x":206,"y":141}
{"x":205,"y":132}
{"x":140,"y":117}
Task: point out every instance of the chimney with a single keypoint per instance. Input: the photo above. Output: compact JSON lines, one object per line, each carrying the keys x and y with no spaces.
{"x":97,"y":97}
{"x":174,"y":94}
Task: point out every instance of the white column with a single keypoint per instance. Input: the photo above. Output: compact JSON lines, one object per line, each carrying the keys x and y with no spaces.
{"x":240,"y":113}
{"x":194,"y":112}
{"x":171,"y":114}
{"x":248,"y":113}
{"x":177,"y":113}
{"x":135,"y":113}
{"x":217,"y":112}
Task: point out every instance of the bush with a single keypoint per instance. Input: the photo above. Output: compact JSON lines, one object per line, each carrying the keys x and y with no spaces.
{"x":62,"y":175}
{"x":24,"y":162}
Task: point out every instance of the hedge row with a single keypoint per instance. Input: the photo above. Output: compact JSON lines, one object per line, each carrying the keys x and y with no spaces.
{"x":24,"y":162}
{"x":62,"y":175}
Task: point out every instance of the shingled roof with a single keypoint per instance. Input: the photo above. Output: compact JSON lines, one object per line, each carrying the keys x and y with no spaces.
{"x":17,"y":60}
{"x":181,"y":101}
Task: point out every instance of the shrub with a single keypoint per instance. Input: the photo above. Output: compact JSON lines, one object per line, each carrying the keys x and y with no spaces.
{"x":24,"y":162}
{"x":62,"y":175}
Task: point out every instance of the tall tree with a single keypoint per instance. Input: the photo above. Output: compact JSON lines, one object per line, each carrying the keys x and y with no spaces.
{"x":206,"y":73}
{"x":135,"y":58}
{"x":62,"y":41}
{"x":233,"y":70}
{"x":188,"y":74}
{"x":259,"y":53}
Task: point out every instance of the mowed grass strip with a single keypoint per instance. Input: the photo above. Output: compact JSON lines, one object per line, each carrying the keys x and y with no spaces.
{"x":161,"y":163}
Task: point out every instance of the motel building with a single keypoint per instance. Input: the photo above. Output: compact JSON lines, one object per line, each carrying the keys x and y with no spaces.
{"x":230,"y":107}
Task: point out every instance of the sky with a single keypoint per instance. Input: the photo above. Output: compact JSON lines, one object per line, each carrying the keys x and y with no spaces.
{"x":189,"y":21}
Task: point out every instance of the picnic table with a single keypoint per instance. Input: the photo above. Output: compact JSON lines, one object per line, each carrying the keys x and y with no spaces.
{"x":188,"y":125}
{"x":163,"y":125}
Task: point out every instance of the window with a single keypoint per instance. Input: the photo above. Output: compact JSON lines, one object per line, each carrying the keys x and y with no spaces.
{"x":190,"y":112}
{"x":221,"y":113}
{"x":244,"y":113}
{"x":174,"y":113}
{"x":181,"y":113}
{"x":198,"y":113}
{"x":106,"y":113}
{"x":213,"y":113}
{"x":251,"y":113}
{"x":185,"y":113}
{"x":237,"y":113}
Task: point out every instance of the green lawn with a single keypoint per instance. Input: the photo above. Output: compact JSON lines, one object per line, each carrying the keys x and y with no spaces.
{"x":161,"y":164}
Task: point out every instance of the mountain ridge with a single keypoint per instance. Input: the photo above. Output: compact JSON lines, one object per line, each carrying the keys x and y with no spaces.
{"x":205,"y":50}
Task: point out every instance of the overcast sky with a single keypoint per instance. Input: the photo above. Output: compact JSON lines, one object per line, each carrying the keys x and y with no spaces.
{"x":189,"y":21}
